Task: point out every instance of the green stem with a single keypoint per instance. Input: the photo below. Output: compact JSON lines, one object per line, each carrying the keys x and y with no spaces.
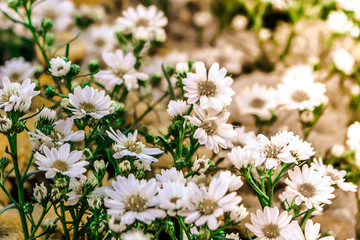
{"x":183,"y":228}
{"x":63,"y":220}
{"x":306,"y":217}
{"x":43,"y":214}
{"x":271,"y":188}
{"x":13,"y":148}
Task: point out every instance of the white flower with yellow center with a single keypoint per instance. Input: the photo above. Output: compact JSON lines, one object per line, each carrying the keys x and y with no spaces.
{"x":144,"y":23}
{"x":121,"y":70}
{"x":299,"y":91}
{"x":100,"y":39}
{"x":16,"y":96}
{"x":271,"y":152}
{"x":309,"y":187}
{"x":337,"y":176}
{"x":17,"y":69}
{"x":268,"y":224}
{"x":130,"y":146}
{"x":173,"y":197}
{"x":89,"y":102}
{"x":312,"y":232}
{"x":211,"y":90}
{"x":61,"y":161}
{"x":241,"y":157}
{"x":59,"y":67}
{"x":206,"y":205}
{"x":212,"y":131}
{"x":134,"y":199}
{"x":61,"y":133}
{"x":257,"y":100}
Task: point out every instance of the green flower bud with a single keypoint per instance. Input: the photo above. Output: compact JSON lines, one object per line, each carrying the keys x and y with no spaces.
{"x":50,"y":39}
{"x":170,"y":70}
{"x":140,"y":174}
{"x":155,"y":79}
{"x":169,"y":227}
{"x":46,"y":24}
{"x":204,"y":234}
{"x":28,"y":208}
{"x":19,"y":127}
{"x":60,"y":183}
{"x":49,"y":91}
{"x":14,"y":4}
{"x":55,"y":194}
{"x":180,"y":163}
{"x":74,"y":70}
{"x":87,"y":154}
{"x":124,"y":168}
{"x":93,"y":65}
{"x":4,"y":162}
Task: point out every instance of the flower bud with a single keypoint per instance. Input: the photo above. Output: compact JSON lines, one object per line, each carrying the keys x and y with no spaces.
{"x":49,"y":223}
{"x":115,"y":224}
{"x":49,"y":91}
{"x":182,"y":67}
{"x":93,"y":65}
{"x":204,"y":234}
{"x":169,"y":228}
{"x":238,"y":214}
{"x":337,"y":150}
{"x":64,"y":103}
{"x":4,"y":162}
{"x":47,"y":115}
{"x":307,"y":116}
{"x":28,"y":208}
{"x":60,"y":183}
{"x":46,"y":24}
{"x":124,"y":167}
{"x":40,"y":192}
{"x":14,"y":4}
{"x":5,"y":124}
{"x":55,"y":194}
{"x":95,"y":202}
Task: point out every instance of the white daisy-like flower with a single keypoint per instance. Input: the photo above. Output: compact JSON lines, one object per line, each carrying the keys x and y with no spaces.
{"x":59,"y":67}
{"x":299,"y":91}
{"x":312,"y":232}
{"x":61,"y":133}
{"x":134,"y":199}
{"x":100,"y":38}
{"x":309,"y":187}
{"x":257,"y":100}
{"x":17,"y":69}
{"x":353,"y":136}
{"x":76,"y":193}
{"x":143,"y":23}
{"x":61,"y":161}
{"x":241,"y":136}
{"x":238,"y":214}
{"x":207,"y":204}
{"x":47,"y":113}
{"x":201,"y":165}
{"x":302,"y":150}
{"x":337,"y":176}
{"x":16,"y":96}
{"x":170,"y":175}
{"x":173,"y":196}
{"x":343,"y":61}
{"x":234,"y":181}
{"x":241,"y":157}
{"x":213,"y":131}
{"x":59,"y":11}
{"x":211,"y":90}
{"x":89,"y":102}
{"x":130,"y":146}
{"x":5,"y":124}
{"x":271,"y":152}
{"x":268,"y":224}
{"x":177,"y":107}
{"x":121,"y":70}
{"x":135,"y":235}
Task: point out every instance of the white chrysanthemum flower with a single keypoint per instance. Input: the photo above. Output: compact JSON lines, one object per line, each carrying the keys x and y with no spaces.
{"x":337,"y":176}
{"x":173,"y":196}
{"x":353,"y":136}
{"x":213,"y":131}
{"x":130,"y":146}
{"x":298,"y":90}
{"x":241,"y":136}
{"x":257,"y":100}
{"x":201,"y":165}
{"x":61,"y":133}
{"x":17,"y":69}
{"x":47,"y":113}
{"x":302,"y":150}
{"x":309,"y":187}
{"x":238,"y":214}
{"x":143,"y":23}
{"x":177,"y":107}
{"x":59,"y":67}
{"x":61,"y":161}
{"x":271,"y":152}
{"x":59,"y":11}
{"x":5,"y":124}
{"x":343,"y":61}
{"x":339,"y":23}
{"x":76,"y":193}
{"x":100,"y":39}
{"x":241,"y":157}
{"x":170,"y":175}
{"x":207,"y":204}
{"x":135,"y":235}
{"x":312,"y":232}
{"x":115,"y":223}
{"x":134,"y":199}
{"x":121,"y":70}
{"x":234,"y":181}
{"x":16,"y":96}
{"x":212,"y":89}
{"x":268,"y":224}
{"x":89,"y":102}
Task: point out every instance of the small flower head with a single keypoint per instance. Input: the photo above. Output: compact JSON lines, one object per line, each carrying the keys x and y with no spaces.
{"x":59,"y":67}
{"x":5,"y":124}
{"x":201,"y":165}
{"x":40,"y":192}
{"x":177,"y":107}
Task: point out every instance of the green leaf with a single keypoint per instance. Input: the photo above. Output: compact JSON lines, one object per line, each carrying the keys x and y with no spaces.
{"x":30,"y":174}
{"x":8,"y":207}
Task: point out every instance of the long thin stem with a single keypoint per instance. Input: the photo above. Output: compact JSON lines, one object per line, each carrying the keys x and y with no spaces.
{"x":13,"y":148}
{"x":63,"y":220}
